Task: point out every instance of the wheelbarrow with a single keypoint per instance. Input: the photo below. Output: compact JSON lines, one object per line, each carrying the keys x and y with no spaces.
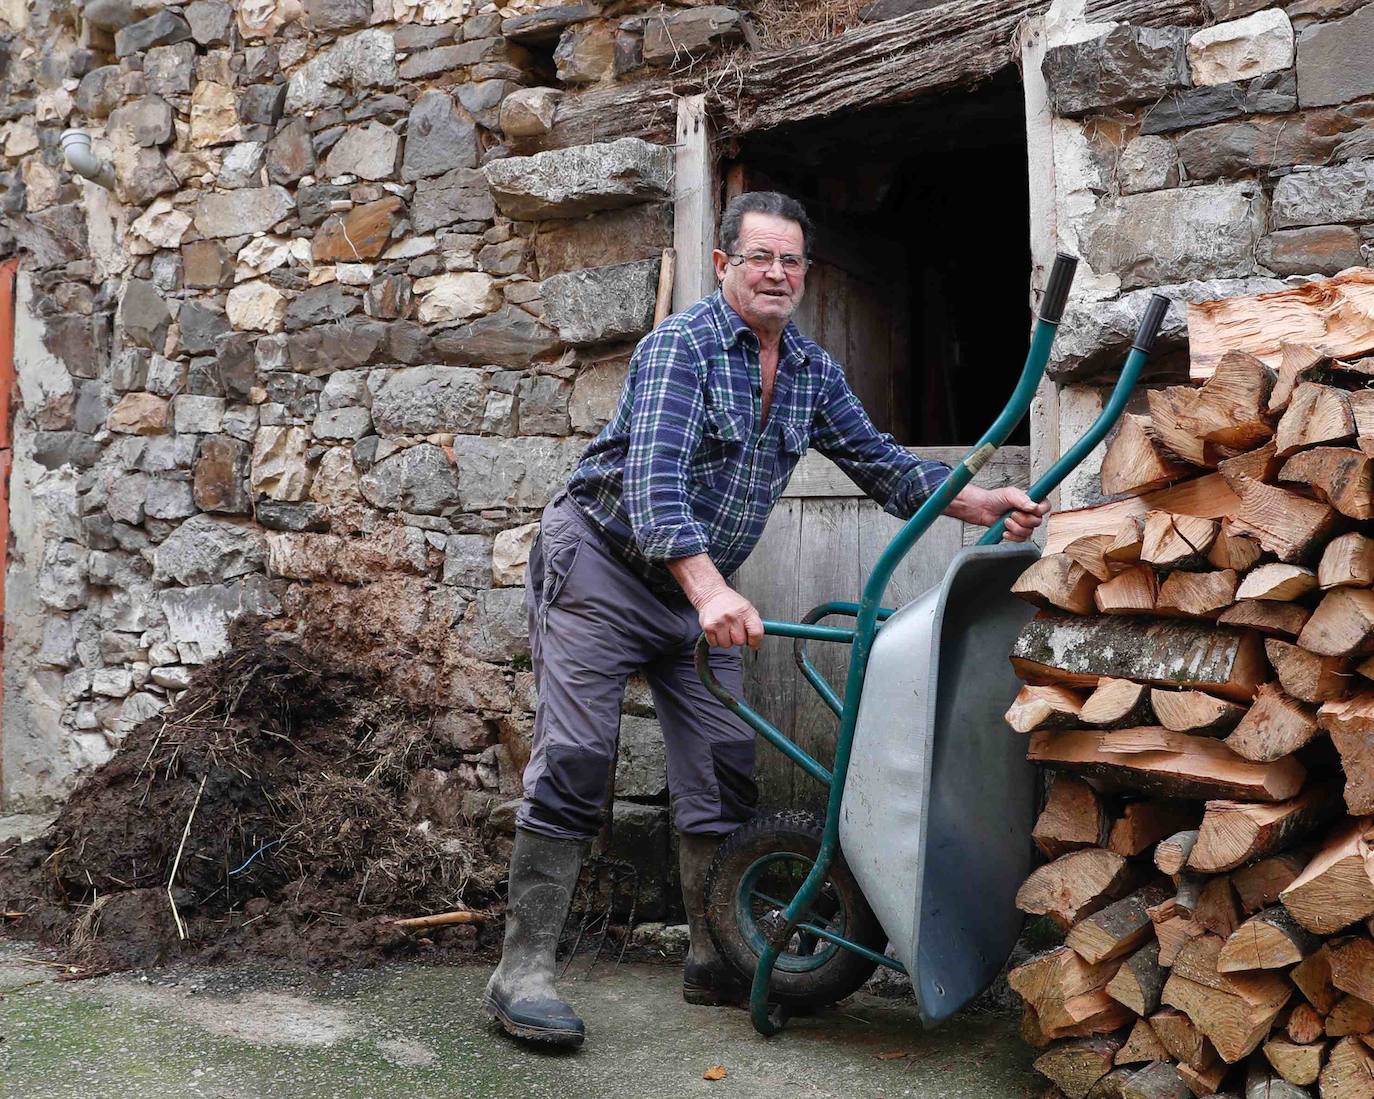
{"x":926,"y":833}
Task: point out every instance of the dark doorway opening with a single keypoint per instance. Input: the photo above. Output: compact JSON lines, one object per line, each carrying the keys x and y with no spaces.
{"x":921,"y":262}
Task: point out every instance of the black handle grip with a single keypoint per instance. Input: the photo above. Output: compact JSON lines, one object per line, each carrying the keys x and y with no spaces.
{"x":1150,"y":323}
{"x":1057,"y":289}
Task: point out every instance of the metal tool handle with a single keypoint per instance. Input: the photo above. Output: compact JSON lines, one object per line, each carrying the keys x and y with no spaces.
{"x":1141,"y":346}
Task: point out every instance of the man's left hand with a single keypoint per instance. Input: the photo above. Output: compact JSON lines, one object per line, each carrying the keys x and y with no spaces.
{"x":985,"y":506}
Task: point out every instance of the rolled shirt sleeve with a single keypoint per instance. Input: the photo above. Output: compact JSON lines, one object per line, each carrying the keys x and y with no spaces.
{"x":898,"y":480}
{"x":666,"y":425}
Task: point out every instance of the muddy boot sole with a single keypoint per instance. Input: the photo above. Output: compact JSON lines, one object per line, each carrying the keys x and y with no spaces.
{"x":550,"y":1037}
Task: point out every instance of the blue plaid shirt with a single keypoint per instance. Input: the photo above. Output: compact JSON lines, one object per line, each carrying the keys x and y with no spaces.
{"x":687,"y":464}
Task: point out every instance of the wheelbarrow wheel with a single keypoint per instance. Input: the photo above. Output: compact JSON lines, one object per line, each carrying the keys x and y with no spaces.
{"x":755,"y":874}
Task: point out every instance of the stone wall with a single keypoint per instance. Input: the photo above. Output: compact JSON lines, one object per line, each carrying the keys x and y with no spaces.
{"x":322,"y":355}
{"x":1200,"y":162}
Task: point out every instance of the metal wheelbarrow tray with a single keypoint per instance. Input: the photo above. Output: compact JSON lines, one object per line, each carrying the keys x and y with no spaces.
{"x":940,"y":800}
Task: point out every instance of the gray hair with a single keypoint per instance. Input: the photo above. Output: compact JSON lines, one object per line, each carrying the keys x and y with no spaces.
{"x":761,"y":202}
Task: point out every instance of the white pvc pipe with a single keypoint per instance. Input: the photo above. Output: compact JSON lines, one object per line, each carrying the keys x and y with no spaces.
{"x":76,"y":147}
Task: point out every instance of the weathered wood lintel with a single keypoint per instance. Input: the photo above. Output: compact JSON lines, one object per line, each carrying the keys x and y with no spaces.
{"x":894,"y":61}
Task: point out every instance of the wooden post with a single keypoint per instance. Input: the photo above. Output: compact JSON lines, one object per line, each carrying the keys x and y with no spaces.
{"x":694,"y":204}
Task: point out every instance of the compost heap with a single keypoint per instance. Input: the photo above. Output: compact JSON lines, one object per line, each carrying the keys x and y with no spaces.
{"x":276,"y":789}
{"x":1201,"y":683}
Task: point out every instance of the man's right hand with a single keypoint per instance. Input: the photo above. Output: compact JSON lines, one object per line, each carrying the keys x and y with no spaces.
{"x":728,"y":619}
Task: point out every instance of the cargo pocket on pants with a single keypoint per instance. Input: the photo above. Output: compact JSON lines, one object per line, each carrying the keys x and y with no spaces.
{"x":560,"y":555}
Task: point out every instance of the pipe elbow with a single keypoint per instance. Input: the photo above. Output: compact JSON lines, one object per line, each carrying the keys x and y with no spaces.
{"x":76,"y":147}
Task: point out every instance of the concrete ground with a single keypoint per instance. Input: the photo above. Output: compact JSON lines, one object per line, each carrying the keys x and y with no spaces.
{"x":410,"y":1031}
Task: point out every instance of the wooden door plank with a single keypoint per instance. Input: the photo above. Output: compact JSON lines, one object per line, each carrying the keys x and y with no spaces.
{"x":771,"y":682}
{"x":694,"y":203}
{"x":827,"y":564}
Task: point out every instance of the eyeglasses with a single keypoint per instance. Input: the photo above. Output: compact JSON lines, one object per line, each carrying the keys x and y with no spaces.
{"x":763,"y":261}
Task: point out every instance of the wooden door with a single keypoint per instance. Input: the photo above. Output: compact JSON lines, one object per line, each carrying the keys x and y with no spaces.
{"x":820,"y":544}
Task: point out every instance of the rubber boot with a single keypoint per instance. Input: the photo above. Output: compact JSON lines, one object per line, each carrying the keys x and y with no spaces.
{"x":707,"y":978}
{"x":520,"y":995}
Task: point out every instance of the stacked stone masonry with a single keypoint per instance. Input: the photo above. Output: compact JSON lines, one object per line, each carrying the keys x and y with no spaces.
{"x":322,"y":356}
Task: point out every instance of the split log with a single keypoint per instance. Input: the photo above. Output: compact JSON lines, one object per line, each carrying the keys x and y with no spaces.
{"x":1260,"y":1083}
{"x":1261,"y":464}
{"x":1177,"y":1034}
{"x":1288,"y":525}
{"x":1126,"y":540}
{"x":1158,"y":1080}
{"x":1208,"y":497}
{"x":1347,"y":562}
{"x":1278,"y":582}
{"x":1234,"y":1011}
{"x":1271,"y":619}
{"x":1197,"y":594}
{"x":1297,"y":1063}
{"x":1117,"y":704}
{"x":1217,"y":909}
{"x":1307,"y":676}
{"x":1137,"y":985}
{"x":1259,"y":884}
{"x":1076,"y":1064}
{"x":1227,"y":414}
{"x":1134,"y":463}
{"x":1174,"y":932}
{"x":1194,"y":712}
{"x":1177,"y":541}
{"x":1204,"y":1081}
{"x":1031,"y":1033}
{"x":1236,"y":832}
{"x":1110,"y":1086}
{"x":1296,"y":362}
{"x":1350,"y":725}
{"x":1334,"y":315}
{"x":1077,"y":652}
{"x":1132,"y":591}
{"x":1271,"y":939}
{"x":1362,"y":408}
{"x":1317,"y":415}
{"x":1352,"y":965}
{"x":1313,"y":980}
{"x":1090,"y":551}
{"x":1341,"y":476}
{"x":1118,"y":929}
{"x":1073,"y":818}
{"x":1143,"y":824}
{"x":1056,"y":582}
{"x":1351,"y":1015}
{"x":1304,"y":1023}
{"x":1167,"y":764}
{"x":1337,"y":887}
{"x":1046,"y":707}
{"x":1233,"y":550}
{"x":1067,"y":994}
{"x":1274,"y":726}
{"x":1349,"y":1071}
{"x":1075,"y":885}
{"x":1142,"y":1044}
{"x":1171,"y":855}
{"x":1342,"y":624}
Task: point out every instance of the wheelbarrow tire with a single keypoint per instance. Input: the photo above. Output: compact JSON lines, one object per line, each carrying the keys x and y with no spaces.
{"x":840,"y":972}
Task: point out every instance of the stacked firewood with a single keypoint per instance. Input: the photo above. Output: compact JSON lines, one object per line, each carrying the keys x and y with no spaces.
{"x":1200,"y":684}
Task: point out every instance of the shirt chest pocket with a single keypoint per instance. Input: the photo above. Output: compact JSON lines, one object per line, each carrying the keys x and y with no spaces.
{"x":724,"y":438}
{"x":794,"y":438}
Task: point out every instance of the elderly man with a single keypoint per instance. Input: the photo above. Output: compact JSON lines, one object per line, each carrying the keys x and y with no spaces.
{"x":629,"y":569}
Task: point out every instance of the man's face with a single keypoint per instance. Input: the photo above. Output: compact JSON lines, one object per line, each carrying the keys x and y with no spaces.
{"x":765,"y":299}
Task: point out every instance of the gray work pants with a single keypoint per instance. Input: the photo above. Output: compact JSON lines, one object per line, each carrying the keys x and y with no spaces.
{"x":592,"y":623}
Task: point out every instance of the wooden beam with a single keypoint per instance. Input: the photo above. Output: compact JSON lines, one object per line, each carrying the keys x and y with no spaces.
{"x":694,"y":204}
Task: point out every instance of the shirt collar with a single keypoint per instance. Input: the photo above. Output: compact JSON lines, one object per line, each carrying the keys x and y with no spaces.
{"x":733,"y":329}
